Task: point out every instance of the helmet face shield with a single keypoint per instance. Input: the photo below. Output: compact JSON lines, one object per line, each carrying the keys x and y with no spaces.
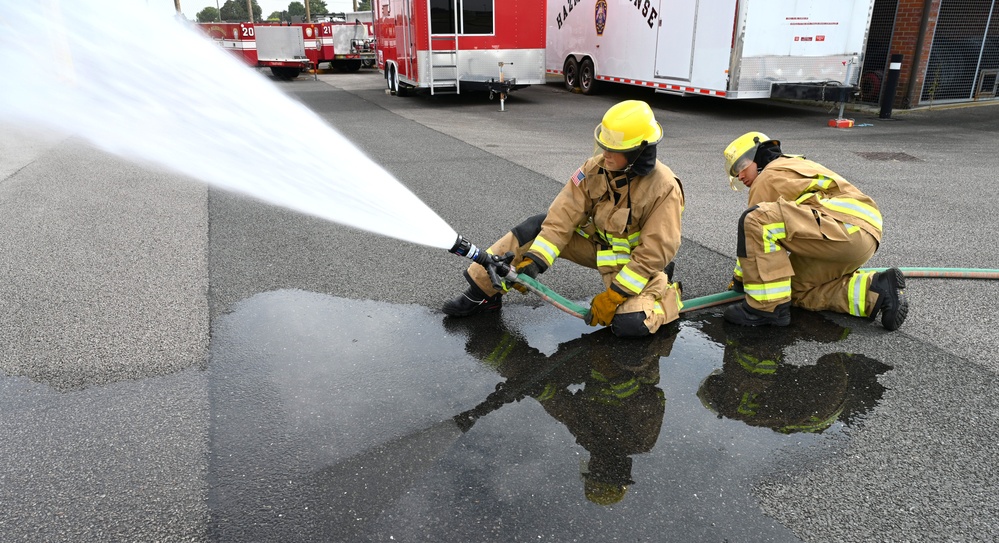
{"x":741,"y":153}
{"x":740,"y":163}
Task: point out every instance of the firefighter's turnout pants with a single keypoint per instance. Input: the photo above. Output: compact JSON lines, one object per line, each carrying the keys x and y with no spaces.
{"x":657,"y":304}
{"x":798,"y":254}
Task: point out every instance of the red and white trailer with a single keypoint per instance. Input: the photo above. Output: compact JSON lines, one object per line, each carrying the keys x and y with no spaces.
{"x":733,"y":49}
{"x":286,"y":50}
{"x":450,"y":46}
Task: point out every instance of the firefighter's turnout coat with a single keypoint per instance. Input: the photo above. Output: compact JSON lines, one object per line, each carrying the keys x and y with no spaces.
{"x":629,"y":231}
{"x":805,"y":234}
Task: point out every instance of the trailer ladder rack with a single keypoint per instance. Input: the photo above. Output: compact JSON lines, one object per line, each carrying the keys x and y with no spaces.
{"x":444,"y":63}
{"x":444,"y":67}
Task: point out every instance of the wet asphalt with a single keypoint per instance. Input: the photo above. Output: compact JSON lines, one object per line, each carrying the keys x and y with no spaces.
{"x":186,"y":364}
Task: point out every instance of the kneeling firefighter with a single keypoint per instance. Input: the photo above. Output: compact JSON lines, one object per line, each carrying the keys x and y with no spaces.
{"x":802,"y":240}
{"x":619,"y":213}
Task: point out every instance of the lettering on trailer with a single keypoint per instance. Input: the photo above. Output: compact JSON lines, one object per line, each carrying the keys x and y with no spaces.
{"x":600,"y":13}
{"x":566,"y":10}
{"x":805,"y":21}
{"x":647,"y":11}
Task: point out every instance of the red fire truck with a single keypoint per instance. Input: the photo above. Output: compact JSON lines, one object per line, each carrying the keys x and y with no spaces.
{"x":449,"y":46}
{"x":283,"y":49}
{"x":346,"y":45}
{"x":289,"y":49}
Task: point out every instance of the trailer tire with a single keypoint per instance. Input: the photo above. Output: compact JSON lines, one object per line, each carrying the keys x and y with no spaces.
{"x":346,"y":65}
{"x":286,"y":73}
{"x":390,"y":79}
{"x":570,"y":73}
{"x":587,"y":77}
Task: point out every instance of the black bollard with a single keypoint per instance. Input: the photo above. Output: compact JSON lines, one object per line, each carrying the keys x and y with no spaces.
{"x":891,"y":84}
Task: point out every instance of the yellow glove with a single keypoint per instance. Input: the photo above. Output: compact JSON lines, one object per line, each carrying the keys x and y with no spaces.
{"x":603,"y":307}
{"x":528,"y":267}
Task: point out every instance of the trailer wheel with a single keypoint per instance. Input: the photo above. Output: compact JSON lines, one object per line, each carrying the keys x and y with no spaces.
{"x":570,"y":71}
{"x":587,"y":76}
{"x":286,"y":73}
{"x":390,"y":79}
{"x":346,"y":65}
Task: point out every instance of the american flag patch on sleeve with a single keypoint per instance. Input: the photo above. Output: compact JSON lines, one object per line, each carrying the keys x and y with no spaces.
{"x":578,"y":177}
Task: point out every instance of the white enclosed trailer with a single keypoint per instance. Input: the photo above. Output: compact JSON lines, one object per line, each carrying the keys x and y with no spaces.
{"x":727,"y":48}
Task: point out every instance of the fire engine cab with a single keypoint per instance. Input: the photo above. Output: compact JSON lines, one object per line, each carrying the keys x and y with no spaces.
{"x":450,"y":46}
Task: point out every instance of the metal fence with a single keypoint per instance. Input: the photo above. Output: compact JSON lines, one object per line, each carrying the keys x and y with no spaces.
{"x":878,"y":50}
{"x":964,"y":56}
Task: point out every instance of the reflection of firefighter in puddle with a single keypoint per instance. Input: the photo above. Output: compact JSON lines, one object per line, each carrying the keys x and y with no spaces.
{"x":603,"y":389}
{"x":757,"y":387}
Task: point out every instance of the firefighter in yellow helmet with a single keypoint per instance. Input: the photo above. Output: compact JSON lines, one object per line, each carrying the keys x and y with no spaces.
{"x":619,"y":213}
{"x":801,"y":241}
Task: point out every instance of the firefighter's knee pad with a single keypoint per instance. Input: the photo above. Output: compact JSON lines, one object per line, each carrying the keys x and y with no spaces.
{"x":629,"y":325}
{"x":740,"y":248}
{"x":529,"y":229}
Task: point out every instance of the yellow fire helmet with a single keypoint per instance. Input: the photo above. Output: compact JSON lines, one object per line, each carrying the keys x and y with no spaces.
{"x":626,"y":125}
{"x":740,"y":153}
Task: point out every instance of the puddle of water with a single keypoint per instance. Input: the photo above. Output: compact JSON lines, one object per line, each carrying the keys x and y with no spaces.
{"x":337,"y":419}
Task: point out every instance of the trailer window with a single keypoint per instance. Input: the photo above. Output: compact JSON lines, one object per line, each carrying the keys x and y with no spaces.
{"x":473,"y":16}
{"x":477,"y":16}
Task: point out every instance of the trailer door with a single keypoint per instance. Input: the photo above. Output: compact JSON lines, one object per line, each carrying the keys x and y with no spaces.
{"x":407,"y":49}
{"x":675,"y":43}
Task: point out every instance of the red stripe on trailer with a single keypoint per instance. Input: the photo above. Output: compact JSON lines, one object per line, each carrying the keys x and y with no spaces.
{"x":677,"y":88}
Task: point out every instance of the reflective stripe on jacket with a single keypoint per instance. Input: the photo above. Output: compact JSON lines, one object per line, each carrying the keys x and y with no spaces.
{"x":809,"y":184}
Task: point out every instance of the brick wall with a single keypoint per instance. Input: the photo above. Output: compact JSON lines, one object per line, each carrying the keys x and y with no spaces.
{"x":907,"y":20}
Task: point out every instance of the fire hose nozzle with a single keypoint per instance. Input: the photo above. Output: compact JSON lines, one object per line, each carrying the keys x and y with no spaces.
{"x":498,"y":266}
{"x":462,"y":247}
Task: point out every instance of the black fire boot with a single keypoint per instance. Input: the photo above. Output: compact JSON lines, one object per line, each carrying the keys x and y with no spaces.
{"x":473,"y":301}
{"x":744,"y":315}
{"x":891,"y":303}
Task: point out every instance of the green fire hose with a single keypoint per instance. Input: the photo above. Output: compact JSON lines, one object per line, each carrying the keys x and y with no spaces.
{"x":730,"y":296}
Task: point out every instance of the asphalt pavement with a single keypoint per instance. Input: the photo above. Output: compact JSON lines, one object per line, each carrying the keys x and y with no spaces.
{"x":121,"y":286}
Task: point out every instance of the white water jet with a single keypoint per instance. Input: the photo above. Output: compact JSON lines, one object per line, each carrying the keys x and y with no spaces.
{"x":153,"y":89}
